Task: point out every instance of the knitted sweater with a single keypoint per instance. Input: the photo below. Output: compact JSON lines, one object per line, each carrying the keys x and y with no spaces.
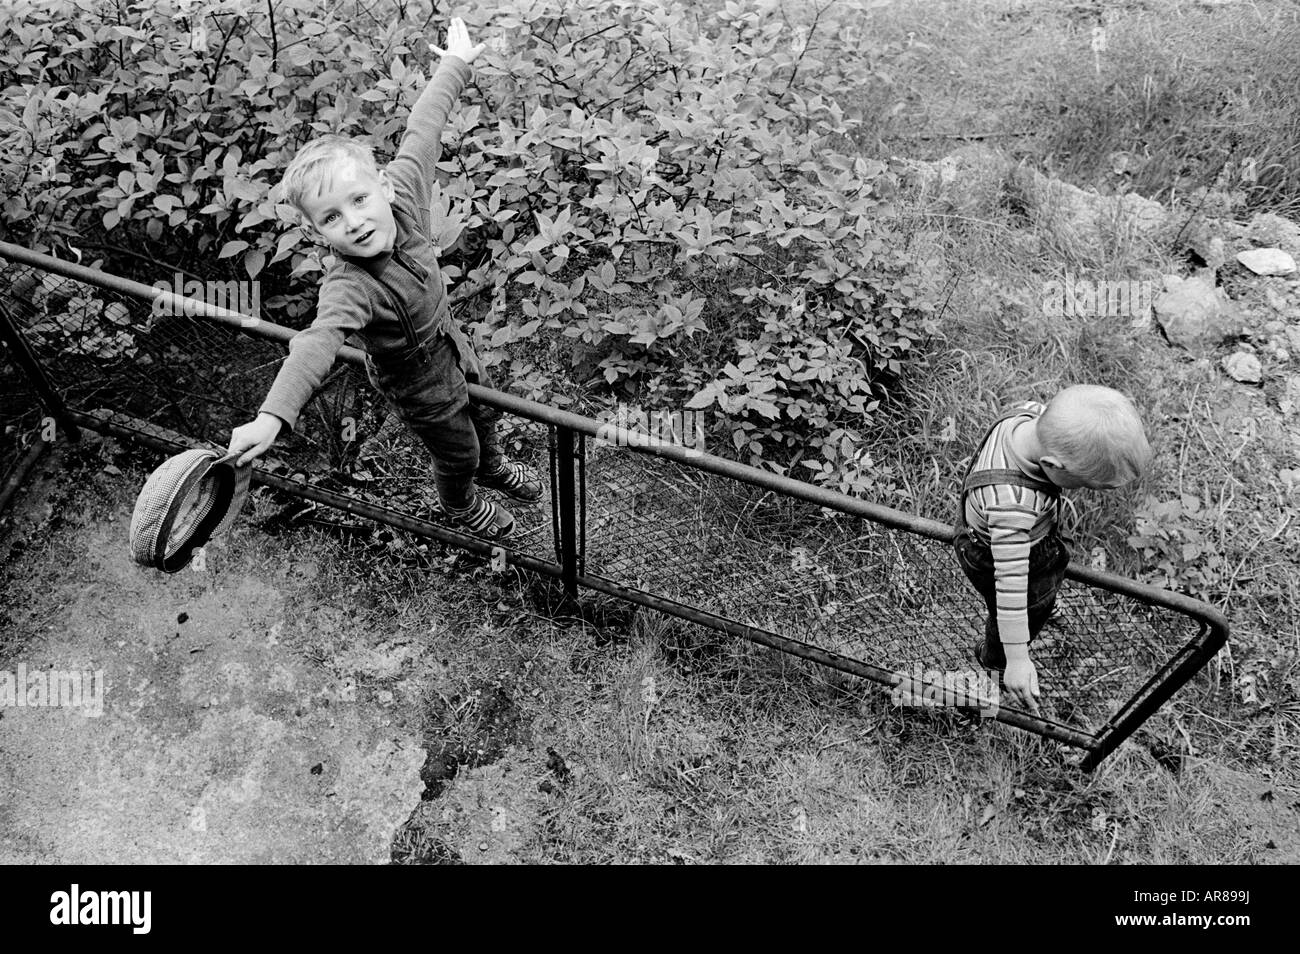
{"x":393,"y":301}
{"x":1011,"y":519}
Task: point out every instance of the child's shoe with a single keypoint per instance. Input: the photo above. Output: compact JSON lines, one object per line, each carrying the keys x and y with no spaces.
{"x":515,"y":480}
{"x":485,"y":519}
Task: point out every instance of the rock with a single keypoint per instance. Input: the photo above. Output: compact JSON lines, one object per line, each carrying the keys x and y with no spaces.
{"x":1274,"y":231}
{"x":1276,"y":300}
{"x":1194,"y":313}
{"x":1211,"y":237}
{"x":1244,"y":367}
{"x":1267,"y":261}
{"x":1289,"y":404}
{"x":1087,"y":224}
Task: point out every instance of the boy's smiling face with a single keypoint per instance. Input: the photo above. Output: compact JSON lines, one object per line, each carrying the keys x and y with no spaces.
{"x":352,"y":210}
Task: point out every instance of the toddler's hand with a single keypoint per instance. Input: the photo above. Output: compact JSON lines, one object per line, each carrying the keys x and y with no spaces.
{"x":458,"y":42}
{"x":1021,"y":681}
{"x":252,"y":439}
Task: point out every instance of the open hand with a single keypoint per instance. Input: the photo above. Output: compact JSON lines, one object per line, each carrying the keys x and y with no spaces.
{"x":458,"y":42}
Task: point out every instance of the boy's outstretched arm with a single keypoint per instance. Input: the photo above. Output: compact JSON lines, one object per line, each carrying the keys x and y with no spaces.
{"x":1009,"y":543}
{"x":342,"y":309}
{"x":417,"y":157}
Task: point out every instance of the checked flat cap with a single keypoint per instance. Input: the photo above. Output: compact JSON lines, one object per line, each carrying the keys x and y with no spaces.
{"x":191,"y":498}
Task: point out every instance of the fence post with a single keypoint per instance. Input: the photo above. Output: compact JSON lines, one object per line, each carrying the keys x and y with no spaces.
{"x":28,"y":361}
{"x":568,"y":495}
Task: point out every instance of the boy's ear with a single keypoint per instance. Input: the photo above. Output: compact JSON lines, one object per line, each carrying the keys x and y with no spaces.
{"x":1052,"y":467}
{"x":386,"y":186}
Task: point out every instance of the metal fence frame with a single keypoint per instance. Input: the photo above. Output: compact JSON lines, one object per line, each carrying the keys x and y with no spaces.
{"x":569,"y":434}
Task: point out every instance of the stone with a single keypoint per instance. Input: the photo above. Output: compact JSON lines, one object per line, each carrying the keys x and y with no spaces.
{"x":1244,"y":367}
{"x":1268,"y":230}
{"x":1212,"y":238}
{"x":1194,"y":313}
{"x":1289,"y":405}
{"x":1086,"y":223}
{"x":1276,"y":300}
{"x":1267,"y":261}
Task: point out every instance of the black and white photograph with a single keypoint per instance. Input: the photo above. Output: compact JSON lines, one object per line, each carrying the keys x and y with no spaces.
{"x":651,"y":432}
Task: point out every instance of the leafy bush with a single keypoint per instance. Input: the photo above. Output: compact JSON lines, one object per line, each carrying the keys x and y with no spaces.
{"x":667,"y":196}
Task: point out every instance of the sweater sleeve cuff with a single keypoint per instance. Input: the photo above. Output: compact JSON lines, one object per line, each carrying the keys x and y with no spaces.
{"x":288,"y":417}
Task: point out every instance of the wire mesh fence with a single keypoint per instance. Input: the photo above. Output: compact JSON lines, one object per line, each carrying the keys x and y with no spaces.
{"x":104,"y":349}
{"x":850,"y":586}
{"x":21,"y":414}
{"x":754,"y":552}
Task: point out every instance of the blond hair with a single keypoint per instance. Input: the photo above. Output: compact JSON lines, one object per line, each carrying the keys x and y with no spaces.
{"x":1096,"y":432}
{"x":312,"y":168}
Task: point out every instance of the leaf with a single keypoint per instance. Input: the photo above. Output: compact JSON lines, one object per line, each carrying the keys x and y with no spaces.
{"x":254,"y":260}
{"x":233,"y":247}
{"x":704,"y":398}
{"x":287,"y":243}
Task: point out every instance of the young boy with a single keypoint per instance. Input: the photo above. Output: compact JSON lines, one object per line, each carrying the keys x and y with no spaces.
{"x":1007,"y":541}
{"x":387,"y":288}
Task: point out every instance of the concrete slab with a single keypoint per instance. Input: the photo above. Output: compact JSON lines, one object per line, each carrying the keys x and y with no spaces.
{"x":215,"y":742}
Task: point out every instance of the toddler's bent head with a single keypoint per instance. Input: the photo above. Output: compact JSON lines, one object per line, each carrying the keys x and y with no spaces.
{"x":1095,"y":434}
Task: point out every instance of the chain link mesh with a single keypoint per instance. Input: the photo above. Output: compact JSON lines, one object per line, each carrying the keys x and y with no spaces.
{"x":889,"y":598}
{"x":197,"y":379}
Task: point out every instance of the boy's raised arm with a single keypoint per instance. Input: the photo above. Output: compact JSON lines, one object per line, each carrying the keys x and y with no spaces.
{"x":417,"y":157}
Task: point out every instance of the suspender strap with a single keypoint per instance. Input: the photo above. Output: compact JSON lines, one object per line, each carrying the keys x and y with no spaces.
{"x":988,"y":478}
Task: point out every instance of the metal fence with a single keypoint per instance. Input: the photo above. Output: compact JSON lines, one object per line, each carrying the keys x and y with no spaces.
{"x":855,"y":586}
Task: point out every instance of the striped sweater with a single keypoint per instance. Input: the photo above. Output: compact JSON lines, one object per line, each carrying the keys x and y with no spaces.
{"x":1010,"y":520}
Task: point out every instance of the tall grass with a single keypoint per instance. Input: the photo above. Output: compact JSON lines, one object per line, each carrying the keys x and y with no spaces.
{"x":1183,"y":95}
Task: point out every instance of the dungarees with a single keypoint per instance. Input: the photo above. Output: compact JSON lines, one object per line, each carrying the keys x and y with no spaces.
{"x":428,"y":388}
{"x":1048,"y":557}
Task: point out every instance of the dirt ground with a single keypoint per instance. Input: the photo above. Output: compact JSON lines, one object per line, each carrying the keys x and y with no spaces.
{"x":253,"y":710}
{"x":282,"y":705}
{"x":217,"y":742}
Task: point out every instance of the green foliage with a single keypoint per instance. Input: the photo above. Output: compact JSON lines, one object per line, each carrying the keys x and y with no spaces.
{"x":665,"y":191}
